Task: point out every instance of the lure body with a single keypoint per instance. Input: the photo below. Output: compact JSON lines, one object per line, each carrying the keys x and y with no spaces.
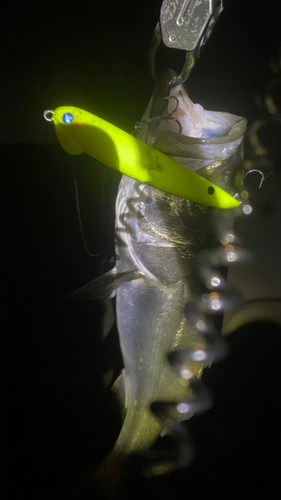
{"x":79,"y":131}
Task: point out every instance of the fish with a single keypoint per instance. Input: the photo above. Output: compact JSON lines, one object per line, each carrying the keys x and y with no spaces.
{"x":158,"y":239}
{"x":79,"y":131}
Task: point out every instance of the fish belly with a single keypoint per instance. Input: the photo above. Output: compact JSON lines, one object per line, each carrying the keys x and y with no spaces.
{"x":150,"y":322}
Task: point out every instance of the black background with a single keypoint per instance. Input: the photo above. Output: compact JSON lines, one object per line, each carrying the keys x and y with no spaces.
{"x":60,"y":422}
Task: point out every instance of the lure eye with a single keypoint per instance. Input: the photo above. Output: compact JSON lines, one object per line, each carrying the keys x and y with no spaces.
{"x":211,"y":190}
{"x":67,"y":118}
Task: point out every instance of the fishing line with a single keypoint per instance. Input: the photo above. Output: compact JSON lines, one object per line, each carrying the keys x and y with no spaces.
{"x":79,"y":215}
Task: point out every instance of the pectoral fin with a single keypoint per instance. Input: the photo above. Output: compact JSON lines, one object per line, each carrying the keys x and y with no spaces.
{"x":104,"y":286}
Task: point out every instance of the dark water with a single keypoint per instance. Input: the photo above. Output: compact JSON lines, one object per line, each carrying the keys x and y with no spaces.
{"x":61,"y":422}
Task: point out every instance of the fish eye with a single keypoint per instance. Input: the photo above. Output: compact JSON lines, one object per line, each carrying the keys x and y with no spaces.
{"x":211,"y":190}
{"x":67,"y":118}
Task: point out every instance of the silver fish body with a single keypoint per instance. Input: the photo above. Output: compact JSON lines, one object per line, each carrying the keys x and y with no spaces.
{"x":150,"y":310}
{"x":160,"y":236}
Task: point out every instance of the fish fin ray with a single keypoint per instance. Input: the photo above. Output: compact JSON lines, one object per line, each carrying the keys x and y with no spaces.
{"x":104,"y":286}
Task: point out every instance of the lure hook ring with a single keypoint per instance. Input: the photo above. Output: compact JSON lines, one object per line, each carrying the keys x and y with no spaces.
{"x":46,"y":113}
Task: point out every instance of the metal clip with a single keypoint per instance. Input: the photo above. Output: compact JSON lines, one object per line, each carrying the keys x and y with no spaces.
{"x":184,"y":25}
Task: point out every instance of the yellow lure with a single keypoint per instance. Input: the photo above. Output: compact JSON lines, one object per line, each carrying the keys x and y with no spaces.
{"x":79,"y":131}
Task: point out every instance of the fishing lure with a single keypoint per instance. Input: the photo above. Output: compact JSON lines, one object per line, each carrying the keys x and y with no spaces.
{"x":79,"y":131}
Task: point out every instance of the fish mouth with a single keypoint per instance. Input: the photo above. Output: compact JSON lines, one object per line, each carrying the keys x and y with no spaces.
{"x":209,"y":149}
{"x":206,"y":138}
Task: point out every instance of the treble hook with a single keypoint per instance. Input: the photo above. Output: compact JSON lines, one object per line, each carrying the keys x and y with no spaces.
{"x":167,"y":116}
{"x":260,"y":172}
